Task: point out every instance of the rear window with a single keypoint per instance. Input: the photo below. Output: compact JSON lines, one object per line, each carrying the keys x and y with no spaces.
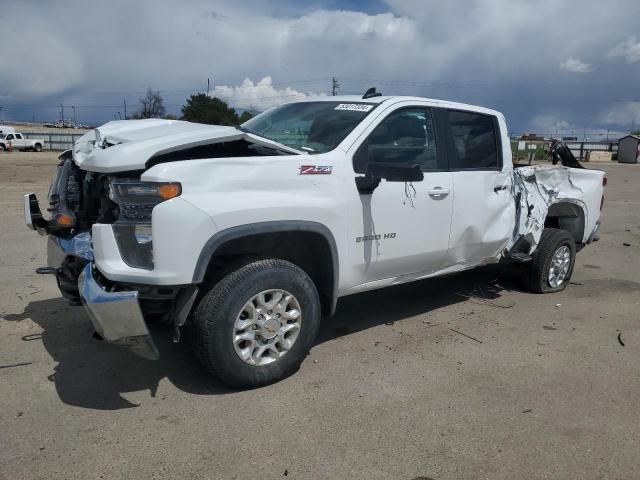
{"x":473,"y":141}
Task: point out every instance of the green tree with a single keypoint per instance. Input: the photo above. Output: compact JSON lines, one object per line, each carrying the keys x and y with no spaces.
{"x":201,"y":108}
{"x":245,"y":116}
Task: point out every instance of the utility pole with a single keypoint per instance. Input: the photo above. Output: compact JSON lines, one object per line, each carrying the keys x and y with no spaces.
{"x":208,"y":85}
{"x":334,"y":86}
{"x":124,"y":104}
{"x":62,"y":114}
{"x":74,"y":115}
{"x":119,"y":115}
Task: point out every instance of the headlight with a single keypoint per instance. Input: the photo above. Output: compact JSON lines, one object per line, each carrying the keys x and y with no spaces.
{"x":132,"y":230}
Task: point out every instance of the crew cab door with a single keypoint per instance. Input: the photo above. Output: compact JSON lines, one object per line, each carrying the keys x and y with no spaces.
{"x":483,"y":207}
{"x":19,"y":141}
{"x":400,"y":228}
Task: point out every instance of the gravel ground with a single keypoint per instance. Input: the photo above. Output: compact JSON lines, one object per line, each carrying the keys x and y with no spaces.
{"x":462,"y":377}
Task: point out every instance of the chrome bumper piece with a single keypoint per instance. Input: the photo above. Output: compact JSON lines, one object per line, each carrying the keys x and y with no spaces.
{"x":594,"y":235}
{"x":116,"y":316}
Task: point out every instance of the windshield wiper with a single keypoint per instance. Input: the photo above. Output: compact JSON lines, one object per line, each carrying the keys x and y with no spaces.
{"x":287,"y":147}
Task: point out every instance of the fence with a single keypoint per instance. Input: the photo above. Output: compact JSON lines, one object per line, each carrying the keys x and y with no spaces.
{"x":55,"y":141}
{"x":580,"y":149}
{"x":534,"y":149}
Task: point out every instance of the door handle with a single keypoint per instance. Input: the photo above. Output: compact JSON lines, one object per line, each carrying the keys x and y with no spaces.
{"x":500,"y":188}
{"x":438,"y":193}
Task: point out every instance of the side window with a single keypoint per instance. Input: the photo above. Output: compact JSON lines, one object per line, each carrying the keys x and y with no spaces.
{"x":473,"y":141}
{"x":406,"y":136}
{"x":18,"y":136}
{"x":10,"y":136}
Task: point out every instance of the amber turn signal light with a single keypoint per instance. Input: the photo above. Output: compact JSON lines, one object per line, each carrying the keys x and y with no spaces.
{"x":169,"y":190}
{"x":65,"y":220}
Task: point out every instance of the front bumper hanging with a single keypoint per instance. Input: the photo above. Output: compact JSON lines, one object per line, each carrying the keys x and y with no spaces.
{"x":116,"y":316}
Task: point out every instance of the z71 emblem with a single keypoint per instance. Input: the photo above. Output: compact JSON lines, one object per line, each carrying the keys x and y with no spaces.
{"x":315,"y":169}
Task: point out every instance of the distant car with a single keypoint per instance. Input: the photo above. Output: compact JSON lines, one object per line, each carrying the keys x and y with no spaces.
{"x":16,"y":141}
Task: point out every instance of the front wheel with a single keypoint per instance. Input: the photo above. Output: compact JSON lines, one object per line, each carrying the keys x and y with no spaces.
{"x":256,"y":325}
{"x":552,"y":263}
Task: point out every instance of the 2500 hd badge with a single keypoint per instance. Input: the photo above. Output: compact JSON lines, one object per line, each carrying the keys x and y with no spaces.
{"x":371,"y":238}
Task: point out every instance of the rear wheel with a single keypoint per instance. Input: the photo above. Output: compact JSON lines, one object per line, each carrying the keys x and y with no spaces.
{"x":552,"y":263}
{"x":37,"y":147}
{"x":257,"y":324}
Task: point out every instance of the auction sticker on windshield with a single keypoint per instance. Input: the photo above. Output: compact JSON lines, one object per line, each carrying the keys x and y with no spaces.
{"x":355,"y":107}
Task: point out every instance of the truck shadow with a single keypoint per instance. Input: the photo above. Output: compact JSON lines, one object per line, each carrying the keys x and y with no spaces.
{"x":393,"y":304}
{"x":93,"y":374}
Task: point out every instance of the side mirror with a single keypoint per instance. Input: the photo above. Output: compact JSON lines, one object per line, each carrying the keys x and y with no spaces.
{"x":394,"y":172}
{"x":391,"y":172}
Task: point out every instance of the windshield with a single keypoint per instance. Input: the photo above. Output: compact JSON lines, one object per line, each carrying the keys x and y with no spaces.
{"x":313,"y":127}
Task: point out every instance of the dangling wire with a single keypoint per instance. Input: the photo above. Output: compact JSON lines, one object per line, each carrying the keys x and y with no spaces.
{"x":409,"y":194}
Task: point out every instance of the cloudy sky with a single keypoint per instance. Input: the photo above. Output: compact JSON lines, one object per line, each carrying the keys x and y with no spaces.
{"x":564,"y":65}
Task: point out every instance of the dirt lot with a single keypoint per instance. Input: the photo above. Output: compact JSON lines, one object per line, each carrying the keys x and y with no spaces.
{"x":391,"y":390}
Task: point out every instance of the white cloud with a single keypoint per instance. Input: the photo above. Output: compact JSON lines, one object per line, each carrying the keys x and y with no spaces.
{"x":258,"y":96}
{"x":629,"y":49}
{"x":574,"y":65}
{"x":548,"y":124}
{"x":622,"y":114}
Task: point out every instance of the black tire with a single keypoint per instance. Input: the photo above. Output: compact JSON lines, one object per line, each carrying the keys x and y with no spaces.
{"x":37,"y":147}
{"x":3,"y":148}
{"x":536,"y":274}
{"x":214,"y":319}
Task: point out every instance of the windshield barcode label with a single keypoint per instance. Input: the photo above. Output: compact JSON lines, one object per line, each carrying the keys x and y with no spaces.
{"x":355,"y":107}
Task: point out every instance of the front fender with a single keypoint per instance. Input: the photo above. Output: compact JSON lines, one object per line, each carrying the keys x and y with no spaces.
{"x":233,"y":233}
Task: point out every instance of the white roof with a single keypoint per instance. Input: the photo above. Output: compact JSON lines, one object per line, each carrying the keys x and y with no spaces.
{"x":400,"y":98}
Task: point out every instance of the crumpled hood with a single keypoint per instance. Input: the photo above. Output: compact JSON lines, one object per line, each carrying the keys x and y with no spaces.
{"x":127,"y":144}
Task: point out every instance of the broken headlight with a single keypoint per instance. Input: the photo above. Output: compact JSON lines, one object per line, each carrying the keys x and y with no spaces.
{"x":136,"y":200}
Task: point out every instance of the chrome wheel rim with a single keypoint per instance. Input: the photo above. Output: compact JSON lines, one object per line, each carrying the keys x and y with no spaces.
{"x":267,"y":327}
{"x":559,"y":268}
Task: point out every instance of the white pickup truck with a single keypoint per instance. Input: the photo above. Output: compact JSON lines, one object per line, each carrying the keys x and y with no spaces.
{"x":248,"y":235}
{"x":17,"y":141}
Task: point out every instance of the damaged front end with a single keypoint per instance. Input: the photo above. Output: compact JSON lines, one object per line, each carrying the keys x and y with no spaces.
{"x":77,"y":200}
